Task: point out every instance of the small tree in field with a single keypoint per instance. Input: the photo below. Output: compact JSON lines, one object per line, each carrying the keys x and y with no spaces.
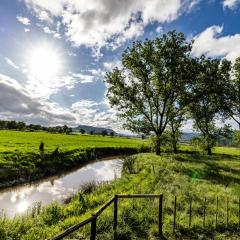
{"x":112,"y":134}
{"x":206,"y":91}
{"x":104,"y":133}
{"x":151,"y":81}
{"x":175,"y":123}
{"x":82,"y":131}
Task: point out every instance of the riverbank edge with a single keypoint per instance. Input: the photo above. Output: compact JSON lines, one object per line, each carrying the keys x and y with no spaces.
{"x":51,"y":164}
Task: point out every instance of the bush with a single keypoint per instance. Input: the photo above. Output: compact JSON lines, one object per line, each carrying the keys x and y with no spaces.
{"x":128,"y":164}
{"x":51,"y":214}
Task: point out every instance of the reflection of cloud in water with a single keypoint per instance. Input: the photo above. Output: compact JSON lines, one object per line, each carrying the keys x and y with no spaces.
{"x":57,"y":190}
{"x":15,"y":195}
{"x":18,"y":199}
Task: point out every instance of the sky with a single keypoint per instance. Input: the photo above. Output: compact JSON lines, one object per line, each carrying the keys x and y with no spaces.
{"x":54,"y":53}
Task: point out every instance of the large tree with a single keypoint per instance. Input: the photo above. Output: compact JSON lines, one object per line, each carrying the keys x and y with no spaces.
{"x":151,"y":83}
{"x":206,"y":92}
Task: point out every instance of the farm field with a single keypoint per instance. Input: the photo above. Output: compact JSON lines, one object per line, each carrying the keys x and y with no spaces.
{"x":29,"y":141}
{"x":185,"y":175}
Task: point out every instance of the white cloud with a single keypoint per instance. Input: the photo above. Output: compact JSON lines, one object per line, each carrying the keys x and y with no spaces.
{"x":97,"y":114}
{"x":24,"y":20}
{"x":97,"y":23}
{"x":109,"y":66}
{"x":11,"y":63}
{"x":159,"y":29}
{"x":231,"y":4}
{"x":212,"y":44}
{"x":53,"y":32}
{"x":17,"y":104}
{"x":83,"y":78}
{"x":26,"y":30}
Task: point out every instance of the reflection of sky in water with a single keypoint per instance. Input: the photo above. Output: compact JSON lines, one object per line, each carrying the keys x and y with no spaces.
{"x":19,"y":199}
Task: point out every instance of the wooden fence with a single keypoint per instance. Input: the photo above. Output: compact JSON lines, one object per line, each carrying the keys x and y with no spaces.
{"x":93,"y":219}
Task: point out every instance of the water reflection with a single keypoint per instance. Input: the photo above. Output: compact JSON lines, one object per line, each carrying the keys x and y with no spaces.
{"x":22,"y":206}
{"x":18,"y":199}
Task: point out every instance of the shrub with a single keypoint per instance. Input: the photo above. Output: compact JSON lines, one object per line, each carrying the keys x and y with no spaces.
{"x":128,"y":164}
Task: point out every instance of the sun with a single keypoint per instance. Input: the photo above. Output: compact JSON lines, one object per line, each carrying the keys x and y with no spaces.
{"x":44,"y":63}
{"x":22,"y":206}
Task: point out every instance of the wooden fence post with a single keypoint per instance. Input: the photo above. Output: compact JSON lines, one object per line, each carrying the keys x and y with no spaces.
{"x":160,"y":216}
{"x":204,"y":212}
{"x":216,"y":220}
{"x":115,"y":216}
{"x":190,"y":212}
{"x":93,"y":228}
{"x":174,"y":213}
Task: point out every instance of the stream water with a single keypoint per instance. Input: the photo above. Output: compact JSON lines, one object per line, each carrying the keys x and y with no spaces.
{"x":17,"y":200}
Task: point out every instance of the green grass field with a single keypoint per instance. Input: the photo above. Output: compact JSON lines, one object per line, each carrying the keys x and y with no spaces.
{"x":185,"y":175}
{"x":21,"y":160}
{"x":29,"y":141}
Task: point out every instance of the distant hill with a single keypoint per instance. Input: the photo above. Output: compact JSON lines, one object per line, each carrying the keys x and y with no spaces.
{"x":89,"y":129}
{"x":187,"y":136}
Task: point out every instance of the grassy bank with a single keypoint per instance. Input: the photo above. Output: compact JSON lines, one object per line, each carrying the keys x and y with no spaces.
{"x":21,"y":160}
{"x":186,"y":175}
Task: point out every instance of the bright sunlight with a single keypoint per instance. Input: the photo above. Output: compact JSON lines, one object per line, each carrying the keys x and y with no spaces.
{"x":44,"y":63}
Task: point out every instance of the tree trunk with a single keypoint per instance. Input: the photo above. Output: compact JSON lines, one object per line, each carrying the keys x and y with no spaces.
{"x":158,"y":146}
{"x":209,"y":150}
{"x":174,"y":145}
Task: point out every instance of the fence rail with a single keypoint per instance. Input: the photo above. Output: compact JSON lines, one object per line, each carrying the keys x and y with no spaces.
{"x":114,"y":200}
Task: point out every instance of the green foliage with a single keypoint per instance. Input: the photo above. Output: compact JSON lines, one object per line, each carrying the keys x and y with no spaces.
{"x":88,"y":187}
{"x":151,"y":84}
{"x":82,"y":131}
{"x":206,"y":91}
{"x":3,"y":235}
{"x":231,"y":96}
{"x":236,"y":139}
{"x":52,"y":214}
{"x":128,"y":164}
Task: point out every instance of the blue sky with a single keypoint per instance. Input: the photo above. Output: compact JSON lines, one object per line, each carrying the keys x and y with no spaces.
{"x":54,"y":53}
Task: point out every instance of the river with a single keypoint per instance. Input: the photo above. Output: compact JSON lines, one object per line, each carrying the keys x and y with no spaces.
{"x":17,"y":200}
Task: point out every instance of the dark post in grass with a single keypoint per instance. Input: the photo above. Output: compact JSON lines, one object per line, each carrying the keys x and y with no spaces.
{"x":204,"y":212}
{"x":227,"y":215}
{"x":174,"y":213}
{"x":190,"y":212}
{"x":115,"y":216}
{"x":160,"y":216}
{"x":216,"y":222}
{"x":93,"y":228}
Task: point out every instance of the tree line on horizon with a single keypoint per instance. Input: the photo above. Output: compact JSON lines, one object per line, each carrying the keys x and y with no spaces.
{"x":22,"y":126}
{"x":161,"y":84}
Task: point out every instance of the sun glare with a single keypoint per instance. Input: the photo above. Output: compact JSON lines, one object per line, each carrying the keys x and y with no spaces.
{"x":22,"y":206}
{"x":44,"y":63}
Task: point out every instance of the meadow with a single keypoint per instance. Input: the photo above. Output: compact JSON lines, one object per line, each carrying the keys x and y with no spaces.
{"x":188,"y":176}
{"x":29,"y":141}
{"x":22,"y":159}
